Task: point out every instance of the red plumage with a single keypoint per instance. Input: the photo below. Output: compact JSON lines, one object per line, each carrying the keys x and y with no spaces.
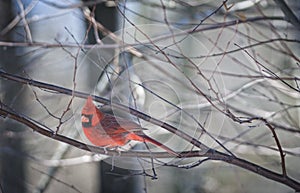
{"x":105,"y":130}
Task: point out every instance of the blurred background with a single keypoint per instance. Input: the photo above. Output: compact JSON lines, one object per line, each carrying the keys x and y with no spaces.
{"x":212,"y":69}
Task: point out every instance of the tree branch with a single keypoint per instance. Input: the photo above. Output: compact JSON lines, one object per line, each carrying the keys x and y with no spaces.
{"x":209,"y":153}
{"x":79,"y":94}
{"x":288,"y":13}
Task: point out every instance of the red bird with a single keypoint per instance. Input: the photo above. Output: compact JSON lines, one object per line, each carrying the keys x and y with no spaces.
{"x":105,"y":130}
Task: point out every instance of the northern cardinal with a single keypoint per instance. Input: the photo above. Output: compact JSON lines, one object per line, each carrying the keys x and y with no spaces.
{"x":105,"y":130}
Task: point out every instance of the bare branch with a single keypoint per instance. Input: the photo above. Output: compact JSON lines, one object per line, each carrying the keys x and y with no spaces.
{"x":104,"y":101}
{"x":288,"y":13}
{"x":210,"y":153}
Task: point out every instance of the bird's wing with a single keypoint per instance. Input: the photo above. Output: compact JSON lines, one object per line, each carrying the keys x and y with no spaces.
{"x":114,"y":122}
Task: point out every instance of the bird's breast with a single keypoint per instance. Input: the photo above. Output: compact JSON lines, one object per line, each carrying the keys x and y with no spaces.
{"x":103,"y":139}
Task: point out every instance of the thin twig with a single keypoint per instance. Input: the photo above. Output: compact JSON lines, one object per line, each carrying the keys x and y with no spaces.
{"x":79,"y":94}
{"x":212,"y":154}
{"x":58,"y":180}
{"x":267,"y":70}
{"x":288,"y":13}
{"x":17,"y":19}
{"x":196,"y":88}
{"x":282,"y":154}
{"x":105,"y":31}
{"x":23,"y":16}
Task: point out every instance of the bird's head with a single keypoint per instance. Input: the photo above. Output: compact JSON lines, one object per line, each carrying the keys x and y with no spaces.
{"x":90,"y":115}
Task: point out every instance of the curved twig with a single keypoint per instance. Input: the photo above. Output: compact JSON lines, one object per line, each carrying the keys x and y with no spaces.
{"x":209,"y":153}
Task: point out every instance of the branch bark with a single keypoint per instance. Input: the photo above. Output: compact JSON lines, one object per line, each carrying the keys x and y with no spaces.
{"x":211,"y":154}
{"x":288,"y":13}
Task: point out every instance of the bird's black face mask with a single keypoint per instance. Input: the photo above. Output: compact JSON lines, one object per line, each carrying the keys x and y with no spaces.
{"x":86,"y":120}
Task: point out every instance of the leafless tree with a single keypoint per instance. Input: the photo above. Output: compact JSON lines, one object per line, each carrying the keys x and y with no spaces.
{"x":215,"y":81}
